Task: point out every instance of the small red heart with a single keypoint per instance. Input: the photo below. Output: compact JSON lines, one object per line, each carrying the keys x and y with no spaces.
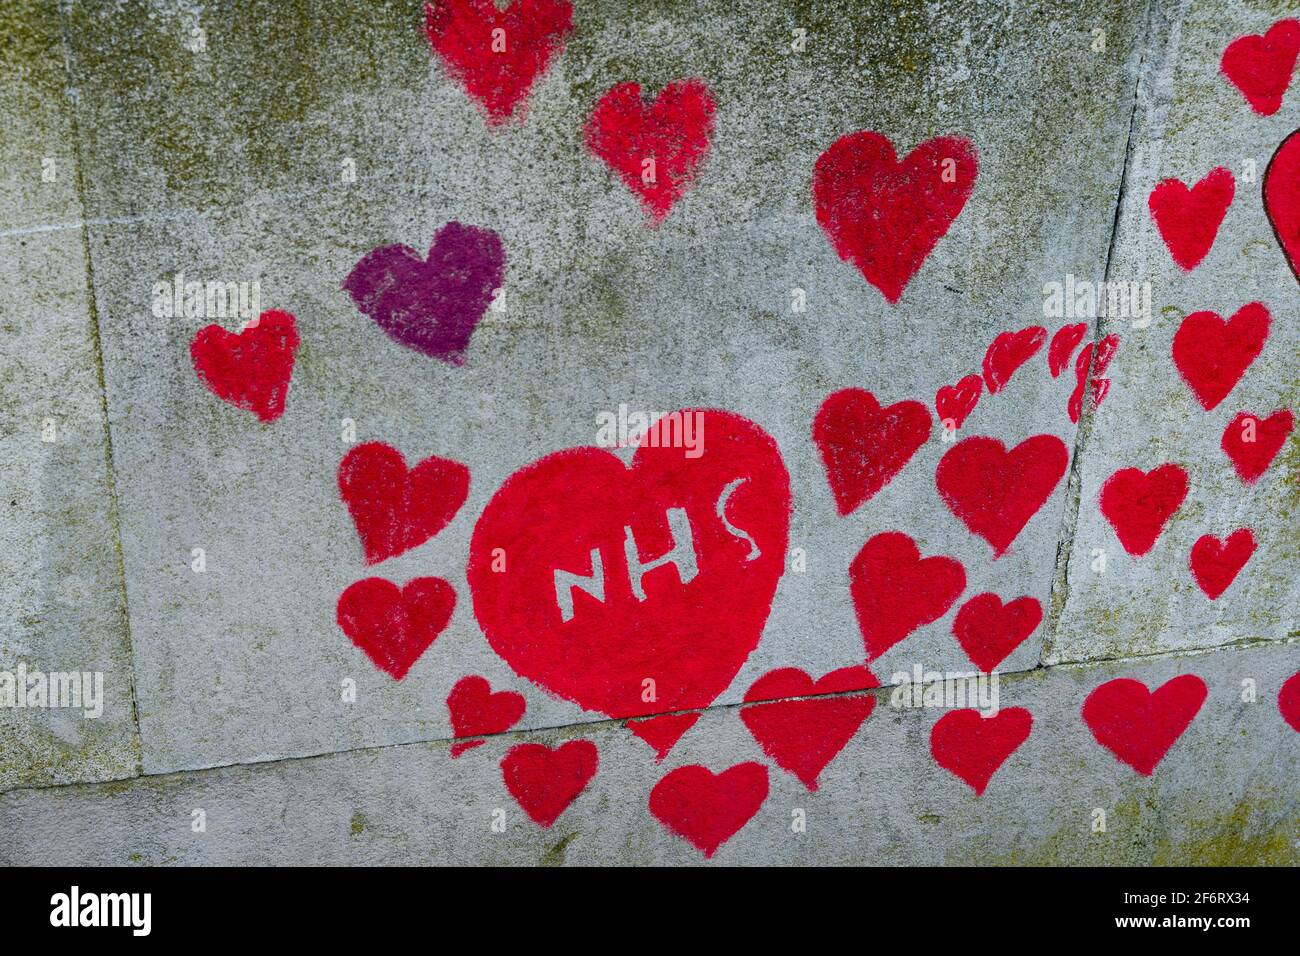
{"x":655,"y":150}
{"x":803,"y":736}
{"x":1261,"y":66}
{"x":1139,"y":726}
{"x":1064,"y":342}
{"x":883,"y":215}
{"x":1138,"y":504}
{"x":1288,"y":701}
{"x":895,"y":590}
{"x":1253,"y":442}
{"x":995,"y":491}
{"x":663,"y":732}
{"x":1215,"y":563}
{"x":955,"y":402}
{"x":476,"y":711}
{"x":544,"y":781}
{"x":1105,"y":351}
{"x":706,"y":809}
{"x":1008,"y":352}
{"x":973,"y":747}
{"x":394,"y":509}
{"x":863,"y":446}
{"x":989,"y":631}
{"x":249,"y":369}
{"x":1211,"y":355}
{"x":1188,"y":219}
{"x":497,"y":55}
{"x":394,"y":626}
{"x":1282,"y":198}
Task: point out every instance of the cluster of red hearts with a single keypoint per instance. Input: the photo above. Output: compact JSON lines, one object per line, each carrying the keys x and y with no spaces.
{"x":719,"y":522}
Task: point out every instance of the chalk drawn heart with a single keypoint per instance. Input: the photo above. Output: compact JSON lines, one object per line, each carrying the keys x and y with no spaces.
{"x":1063,"y":344}
{"x":477,"y":712}
{"x":433,"y":304}
{"x":895,"y":590}
{"x":1282,"y":198}
{"x":1139,"y":504}
{"x":249,"y":369}
{"x":884,"y":215}
{"x":1188,"y":219}
{"x":1252,"y":442}
{"x":657,"y":149}
{"x":544,"y":782}
{"x":1008,"y":352}
{"x":706,"y":809}
{"x":989,"y":630}
{"x":396,"y":509}
{"x":803,"y":736}
{"x":1211,"y":354}
{"x":591,"y":577}
{"x":972,"y":747}
{"x":497,"y":55}
{"x":862,"y":445}
{"x":1261,"y":66}
{"x":1139,"y":726}
{"x":1288,"y":701}
{"x":955,"y":402}
{"x":393,"y":625}
{"x":1215,"y":563}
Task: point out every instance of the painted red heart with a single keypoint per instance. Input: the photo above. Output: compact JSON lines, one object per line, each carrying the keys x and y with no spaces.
{"x":1189,"y":219}
{"x":1211,"y":355}
{"x":708,"y":809}
{"x":662,"y":733}
{"x":1261,"y":66}
{"x":995,"y":491}
{"x":249,"y":369}
{"x":549,"y":565}
{"x":1064,"y":342}
{"x":895,"y":590}
{"x":1008,"y":352}
{"x":477,"y":712}
{"x":1139,"y":504}
{"x":497,"y":55}
{"x":657,"y":149}
{"x":989,"y":630}
{"x":1252,"y":442}
{"x":955,"y":402}
{"x":883,"y":215}
{"x":396,"y":509}
{"x":1282,"y":198}
{"x":1139,"y":726}
{"x":973,"y":747}
{"x":394,"y":626}
{"x":803,"y":736}
{"x":1215,"y":563}
{"x":1088,"y":371}
{"x":1288,"y":701}
{"x":544,"y":781}
{"x":862,"y":445}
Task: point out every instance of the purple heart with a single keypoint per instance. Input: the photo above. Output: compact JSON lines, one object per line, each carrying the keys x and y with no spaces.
{"x":431,"y":305}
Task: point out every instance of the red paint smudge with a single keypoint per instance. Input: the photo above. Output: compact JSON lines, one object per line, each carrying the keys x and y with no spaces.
{"x":1008,"y":352}
{"x":1064,"y":342}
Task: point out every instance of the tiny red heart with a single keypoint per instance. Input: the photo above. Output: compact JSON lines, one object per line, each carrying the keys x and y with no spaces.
{"x":1138,"y":504}
{"x":249,"y":369}
{"x":1288,"y":701}
{"x":1252,"y":442}
{"x":544,"y":781}
{"x":1189,"y":219}
{"x":476,"y":711}
{"x":989,"y":630}
{"x":1008,"y":352}
{"x":1215,"y":563}
{"x":394,"y":626}
{"x":955,"y":402}
{"x":895,"y":590}
{"x":1212,"y":354}
{"x":1064,"y":342}
{"x":708,"y":809}
{"x":863,"y":446}
{"x":1261,"y":66}
{"x":1139,"y":726}
{"x":973,"y":747}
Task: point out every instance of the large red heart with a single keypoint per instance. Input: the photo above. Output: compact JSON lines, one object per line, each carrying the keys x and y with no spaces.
{"x":544,"y":781}
{"x":895,"y":590}
{"x":706,"y":809}
{"x":1282,"y":198}
{"x":863,"y":445}
{"x":995,"y":491}
{"x":251,"y":369}
{"x":550,"y":558}
{"x":1138,"y":504}
{"x":973,"y":747}
{"x":1288,"y":701}
{"x":655,"y":150}
{"x":1064,"y":342}
{"x":1008,"y":352}
{"x":1215,"y":563}
{"x":1188,"y":219}
{"x":955,"y":402}
{"x":497,"y":55}
{"x":1139,"y":726}
{"x":1261,"y":66}
{"x":395,"y":509}
{"x":803,"y":736}
{"x":394,"y":626}
{"x":886,"y":216}
{"x":1211,"y":355}
{"x":476,"y":711}
{"x":1253,"y":442}
{"x":988,"y":630}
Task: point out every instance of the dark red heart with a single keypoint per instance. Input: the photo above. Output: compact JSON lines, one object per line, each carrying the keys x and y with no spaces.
{"x":973,"y":747}
{"x":1282,"y":198}
{"x":1008,"y":352}
{"x":249,"y":369}
{"x":989,"y":631}
{"x":1064,"y":342}
{"x":1215,"y":563}
{"x":863,"y":445}
{"x":1188,"y":219}
{"x":1253,"y":442}
{"x":1211,"y":355}
{"x":544,"y":781}
{"x":708,"y":809}
{"x":883,"y":215}
{"x":895,"y":590}
{"x":1261,"y":66}
{"x":1139,"y":726}
{"x":955,"y":402}
{"x":1138,"y":504}
{"x":394,"y":626}
{"x":476,"y":711}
